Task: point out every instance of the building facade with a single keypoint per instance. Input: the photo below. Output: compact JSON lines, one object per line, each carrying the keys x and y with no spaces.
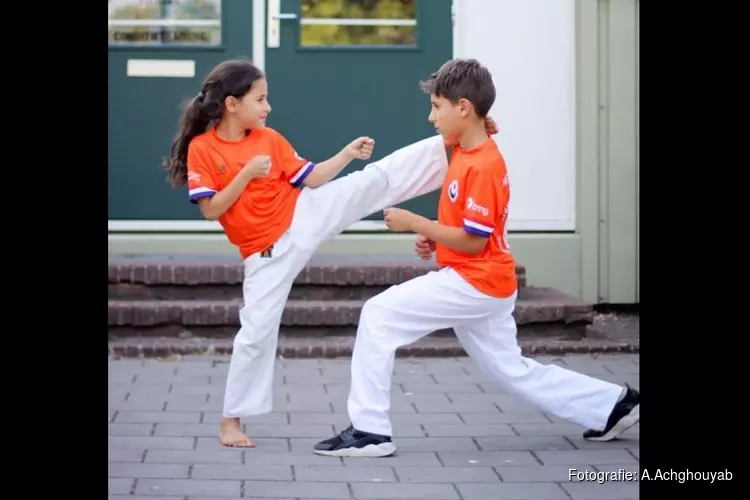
{"x":566,"y":73}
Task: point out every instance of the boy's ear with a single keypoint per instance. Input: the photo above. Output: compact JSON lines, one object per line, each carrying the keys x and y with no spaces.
{"x":465,"y":107}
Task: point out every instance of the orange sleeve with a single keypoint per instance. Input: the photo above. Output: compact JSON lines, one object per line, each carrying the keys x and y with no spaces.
{"x":482,"y":201}
{"x":201,"y":181}
{"x":294,"y":168}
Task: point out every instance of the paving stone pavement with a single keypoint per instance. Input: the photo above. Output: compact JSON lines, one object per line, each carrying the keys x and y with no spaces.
{"x":459,"y":436}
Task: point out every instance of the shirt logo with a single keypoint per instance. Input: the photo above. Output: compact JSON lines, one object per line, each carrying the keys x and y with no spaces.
{"x":221,"y":168}
{"x":475,"y":207}
{"x":453,"y":190}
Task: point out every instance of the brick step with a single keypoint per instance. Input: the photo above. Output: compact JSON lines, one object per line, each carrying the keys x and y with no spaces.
{"x":212,"y":292}
{"x":539,"y":311}
{"x":341,"y":346}
{"x":133,"y":277}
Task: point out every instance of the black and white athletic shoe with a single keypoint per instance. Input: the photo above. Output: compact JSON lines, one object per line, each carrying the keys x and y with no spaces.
{"x":353,"y":443}
{"x":625,"y":415}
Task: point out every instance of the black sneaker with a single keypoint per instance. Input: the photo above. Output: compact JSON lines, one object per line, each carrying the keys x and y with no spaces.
{"x":625,"y":415}
{"x":353,"y":443}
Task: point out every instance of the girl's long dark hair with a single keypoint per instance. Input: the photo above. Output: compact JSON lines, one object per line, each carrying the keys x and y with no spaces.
{"x":230,"y":78}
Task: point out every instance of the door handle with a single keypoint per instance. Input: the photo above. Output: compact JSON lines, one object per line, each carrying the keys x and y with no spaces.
{"x":275,"y":16}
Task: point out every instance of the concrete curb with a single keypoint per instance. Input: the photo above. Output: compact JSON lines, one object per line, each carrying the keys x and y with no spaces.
{"x":340,"y":347}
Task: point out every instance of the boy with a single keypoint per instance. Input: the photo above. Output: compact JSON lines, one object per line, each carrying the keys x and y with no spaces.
{"x":474,"y":292}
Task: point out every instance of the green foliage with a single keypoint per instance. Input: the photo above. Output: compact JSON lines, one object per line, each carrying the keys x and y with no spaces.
{"x":359,"y":9}
{"x":328,"y":35}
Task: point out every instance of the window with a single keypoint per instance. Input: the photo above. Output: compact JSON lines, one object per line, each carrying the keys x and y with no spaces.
{"x":164,"y":22}
{"x":358,"y":22}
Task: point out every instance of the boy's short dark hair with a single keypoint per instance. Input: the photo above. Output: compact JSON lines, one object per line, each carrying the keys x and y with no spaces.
{"x":463,"y":79}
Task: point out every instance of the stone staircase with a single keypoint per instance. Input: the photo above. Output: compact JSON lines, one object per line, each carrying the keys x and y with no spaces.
{"x":163,"y":305}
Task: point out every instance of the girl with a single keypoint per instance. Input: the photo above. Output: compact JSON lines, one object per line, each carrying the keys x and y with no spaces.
{"x":247,"y":176}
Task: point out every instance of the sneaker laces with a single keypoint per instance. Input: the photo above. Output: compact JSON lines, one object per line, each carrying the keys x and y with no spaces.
{"x":348,"y":433}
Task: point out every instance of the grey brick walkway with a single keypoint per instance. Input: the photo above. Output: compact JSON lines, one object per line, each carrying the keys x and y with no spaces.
{"x":459,"y":437}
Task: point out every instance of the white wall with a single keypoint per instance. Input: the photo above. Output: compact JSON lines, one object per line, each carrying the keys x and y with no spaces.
{"x":529,"y":47}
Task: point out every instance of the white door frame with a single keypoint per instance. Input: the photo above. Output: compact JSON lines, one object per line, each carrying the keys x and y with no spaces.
{"x":259,"y":34}
{"x":204,"y":226}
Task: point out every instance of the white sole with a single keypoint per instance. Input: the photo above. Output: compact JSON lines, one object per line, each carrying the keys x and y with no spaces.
{"x":371,"y":450}
{"x":621,"y":426}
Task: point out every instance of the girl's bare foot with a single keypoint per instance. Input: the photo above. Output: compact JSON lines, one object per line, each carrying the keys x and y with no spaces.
{"x":230,"y":434}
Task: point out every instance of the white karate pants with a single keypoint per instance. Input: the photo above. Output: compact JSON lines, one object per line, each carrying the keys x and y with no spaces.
{"x":320,"y":214}
{"x":486,"y":328}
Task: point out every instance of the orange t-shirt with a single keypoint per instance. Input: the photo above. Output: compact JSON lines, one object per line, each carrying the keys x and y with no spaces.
{"x":475,"y":197}
{"x":264,"y":211}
